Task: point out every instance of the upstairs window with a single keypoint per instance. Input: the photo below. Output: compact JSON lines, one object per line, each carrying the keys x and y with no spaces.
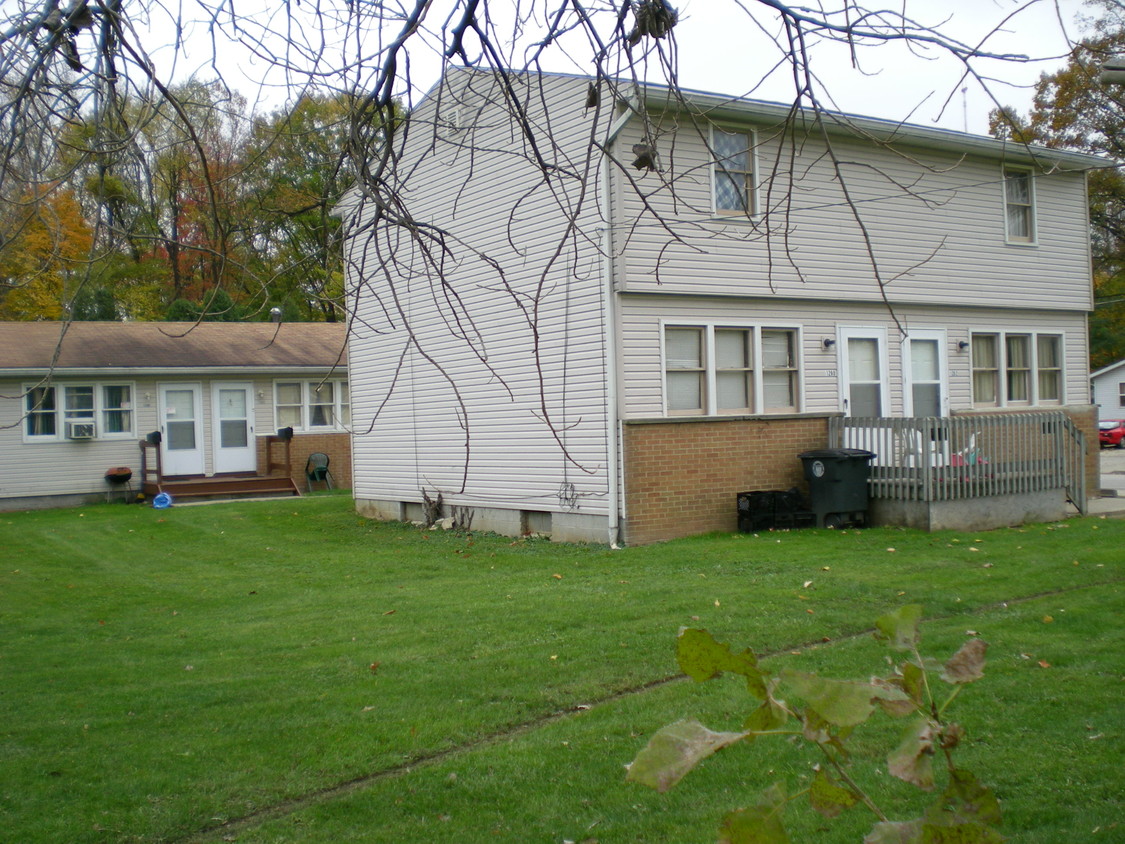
{"x":1019,"y":202}
{"x":720,"y":370}
{"x":733,"y":173}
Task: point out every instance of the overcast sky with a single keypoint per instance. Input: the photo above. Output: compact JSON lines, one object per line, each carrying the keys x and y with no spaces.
{"x":721,"y":50}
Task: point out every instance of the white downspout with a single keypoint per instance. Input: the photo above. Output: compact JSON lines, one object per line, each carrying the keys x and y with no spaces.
{"x":609,"y":317}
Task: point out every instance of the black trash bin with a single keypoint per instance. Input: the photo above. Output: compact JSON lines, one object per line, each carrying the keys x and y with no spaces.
{"x":838,"y":485}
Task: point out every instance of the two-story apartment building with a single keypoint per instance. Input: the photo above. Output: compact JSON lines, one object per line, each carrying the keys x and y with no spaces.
{"x":603,"y":317}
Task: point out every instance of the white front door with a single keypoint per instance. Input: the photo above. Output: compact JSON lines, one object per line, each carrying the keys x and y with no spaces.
{"x":863,"y":371}
{"x":924,"y":366}
{"x":181,"y":428}
{"x":232,"y":427}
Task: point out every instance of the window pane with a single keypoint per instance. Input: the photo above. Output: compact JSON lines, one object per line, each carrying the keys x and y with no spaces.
{"x":984,"y":387}
{"x":927,"y":399}
{"x":733,"y":179}
{"x":288,"y":393}
{"x":777,"y":349}
{"x":1050,"y":388}
{"x":863,"y":360}
{"x":731,"y":150}
{"x":181,"y":436}
{"x":320,"y":415}
{"x":984,"y":351}
{"x":685,"y":391}
{"x":865,"y":400}
{"x":1018,"y":348}
{"x":1018,"y":187}
{"x":289,"y":417}
{"x":345,"y":405}
{"x":1048,"y":346}
{"x":233,"y":433}
{"x":232,"y":404}
{"x":733,"y":392}
{"x":924,"y":360}
{"x":732,"y":349}
{"x":729,"y":195}
{"x":779,"y":390}
{"x":79,"y":402}
{"x":684,"y":348}
{"x":41,"y":412}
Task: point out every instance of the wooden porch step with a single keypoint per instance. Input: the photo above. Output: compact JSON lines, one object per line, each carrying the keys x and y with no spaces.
{"x":232,"y":486}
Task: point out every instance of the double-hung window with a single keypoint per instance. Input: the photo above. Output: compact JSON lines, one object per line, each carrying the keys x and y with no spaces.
{"x":733,"y":173}
{"x":1017,"y":368}
{"x":312,"y":405}
{"x":724,"y":370}
{"x":49,"y":411}
{"x":1019,"y":206}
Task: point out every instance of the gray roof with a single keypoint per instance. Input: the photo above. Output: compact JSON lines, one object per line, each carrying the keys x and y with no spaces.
{"x":27,"y":347}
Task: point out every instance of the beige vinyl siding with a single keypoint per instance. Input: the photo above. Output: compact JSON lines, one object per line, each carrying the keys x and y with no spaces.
{"x":936,"y":224}
{"x":642,"y":316}
{"x":68,"y":467}
{"x":526,"y":429}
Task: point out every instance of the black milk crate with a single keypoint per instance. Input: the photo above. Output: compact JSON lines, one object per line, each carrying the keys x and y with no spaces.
{"x":768,"y":509}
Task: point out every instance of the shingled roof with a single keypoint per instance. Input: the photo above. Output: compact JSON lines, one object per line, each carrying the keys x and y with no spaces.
{"x":31,"y":346}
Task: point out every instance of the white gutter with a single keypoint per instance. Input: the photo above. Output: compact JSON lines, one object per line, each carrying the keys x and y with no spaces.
{"x":609,"y":315}
{"x":718,"y":107}
{"x":104,"y":372}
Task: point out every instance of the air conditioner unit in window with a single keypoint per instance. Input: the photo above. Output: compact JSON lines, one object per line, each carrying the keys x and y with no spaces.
{"x":80,"y":430}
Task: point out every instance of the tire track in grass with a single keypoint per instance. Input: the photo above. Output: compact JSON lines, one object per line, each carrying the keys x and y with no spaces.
{"x":228,"y":829}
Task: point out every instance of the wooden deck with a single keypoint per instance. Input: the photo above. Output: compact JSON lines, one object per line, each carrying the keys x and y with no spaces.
{"x":277,"y":480}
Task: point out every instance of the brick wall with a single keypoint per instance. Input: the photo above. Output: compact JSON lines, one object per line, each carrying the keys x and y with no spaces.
{"x":337,"y":446}
{"x":1086,"y":419}
{"x":682,"y":477}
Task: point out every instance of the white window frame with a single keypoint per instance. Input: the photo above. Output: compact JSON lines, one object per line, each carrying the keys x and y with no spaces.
{"x":750,"y":176}
{"x":1031,"y":205}
{"x":1004,"y":370}
{"x":1121,"y":394}
{"x":754,"y":373}
{"x":340,"y":404}
{"x":96,"y":414}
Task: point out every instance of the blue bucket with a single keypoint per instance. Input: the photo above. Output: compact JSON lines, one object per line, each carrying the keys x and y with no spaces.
{"x":162,"y":501}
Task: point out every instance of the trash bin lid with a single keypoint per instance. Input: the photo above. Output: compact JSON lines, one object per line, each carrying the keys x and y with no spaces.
{"x":837,"y":454}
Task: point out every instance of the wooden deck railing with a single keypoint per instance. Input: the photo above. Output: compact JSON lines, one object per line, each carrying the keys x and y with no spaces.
{"x":971,"y":456}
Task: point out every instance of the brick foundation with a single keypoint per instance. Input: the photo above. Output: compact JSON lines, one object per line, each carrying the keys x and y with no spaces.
{"x":682,"y":476}
{"x":338,"y":447}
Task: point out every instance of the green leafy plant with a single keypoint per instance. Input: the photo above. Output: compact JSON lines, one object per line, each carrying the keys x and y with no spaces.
{"x":965,"y":811}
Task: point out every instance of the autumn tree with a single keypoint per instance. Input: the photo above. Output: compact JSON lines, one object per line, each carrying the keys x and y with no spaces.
{"x":295,"y":180}
{"x":46,"y":256}
{"x":158,"y":157}
{"x":1073,"y":109}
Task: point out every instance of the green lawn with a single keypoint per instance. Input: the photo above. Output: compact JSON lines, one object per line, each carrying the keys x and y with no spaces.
{"x":286,"y":671}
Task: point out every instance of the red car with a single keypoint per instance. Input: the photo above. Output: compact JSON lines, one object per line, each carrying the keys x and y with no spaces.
{"x":1111,"y":432}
